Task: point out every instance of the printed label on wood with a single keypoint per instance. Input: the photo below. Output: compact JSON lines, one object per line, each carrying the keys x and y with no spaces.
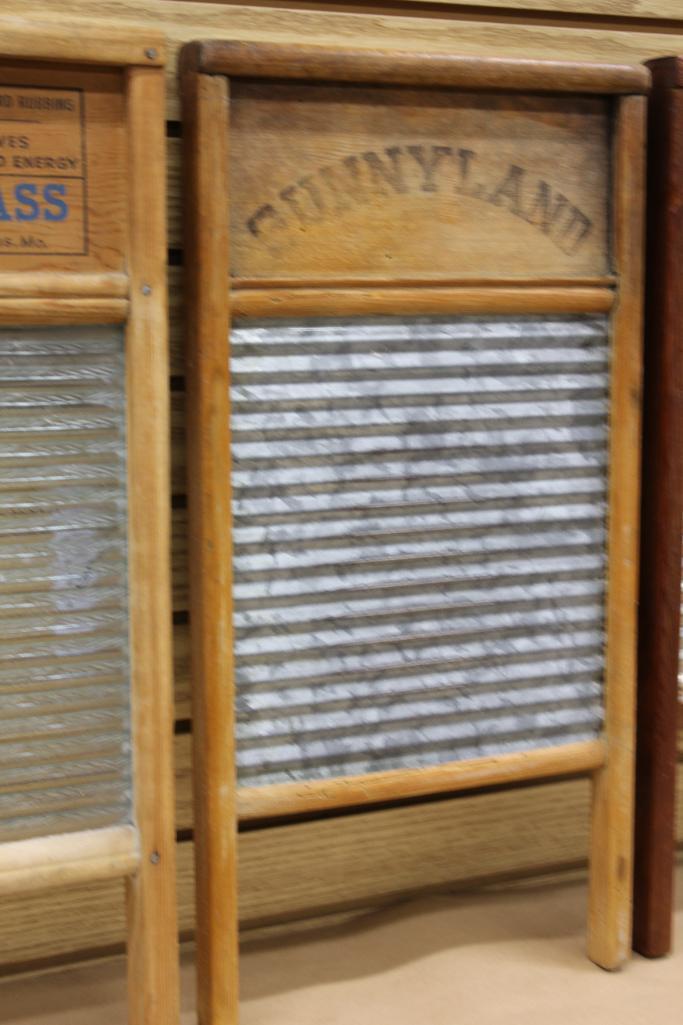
{"x":329,"y":183}
{"x":43,"y":171}
{"x":63,"y":183}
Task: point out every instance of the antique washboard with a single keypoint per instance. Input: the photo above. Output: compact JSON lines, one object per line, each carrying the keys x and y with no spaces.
{"x":660,"y":683}
{"x":413,"y":409}
{"x":86,"y":783}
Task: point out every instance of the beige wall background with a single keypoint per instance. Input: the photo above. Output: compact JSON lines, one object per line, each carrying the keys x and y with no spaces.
{"x":357,"y":860}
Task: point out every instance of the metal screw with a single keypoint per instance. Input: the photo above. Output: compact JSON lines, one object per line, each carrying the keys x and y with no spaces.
{"x":155,"y":857}
{"x":151,"y":54}
{"x":146,"y":290}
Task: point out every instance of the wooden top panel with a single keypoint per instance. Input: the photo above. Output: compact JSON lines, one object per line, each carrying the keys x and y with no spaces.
{"x":63,"y":190}
{"x":334,"y":183}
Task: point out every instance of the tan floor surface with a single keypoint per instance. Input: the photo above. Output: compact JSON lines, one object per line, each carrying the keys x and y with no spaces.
{"x":509,"y":957}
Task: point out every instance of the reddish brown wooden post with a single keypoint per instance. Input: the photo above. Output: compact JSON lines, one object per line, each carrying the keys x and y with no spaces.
{"x":662,"y":507}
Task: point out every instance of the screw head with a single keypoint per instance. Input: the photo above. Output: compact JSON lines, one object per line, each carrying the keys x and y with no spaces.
{"x":146,"y":289}
{"x":151,"y":53}
{"x":155,"y":857}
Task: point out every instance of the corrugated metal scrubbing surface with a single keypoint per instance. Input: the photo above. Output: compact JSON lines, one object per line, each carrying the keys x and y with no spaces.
{"x":64,"y":728}
{"x":419,"y":539}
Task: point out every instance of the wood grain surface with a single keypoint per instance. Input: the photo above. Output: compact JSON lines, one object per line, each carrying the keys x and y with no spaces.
{"x":241,"y":59}
{"x":87,"y":143}
{"x":662,"y":511}
{"x":205,"y":106}
{"x":49,"y":862}
{"x":616,"y":31}
{"x":83,"y":41}
{"x":310,"y":145}
{"x":306,"y":869}
{"x":424,"y":299}
{"x":71,"y":142}
{"x":624,"y":9}
{"x":609,"y":909}
{"x":456,"y":32}
{"x":330,"y":182}
{"x":153,"y":987}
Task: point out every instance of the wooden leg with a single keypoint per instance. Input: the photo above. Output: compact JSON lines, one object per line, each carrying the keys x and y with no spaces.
{"x":611,"y":864}
{"x":611,"y":870}
{"x":662,"y":509}
{"x":151,"y":897}
{"x":205,"y":143}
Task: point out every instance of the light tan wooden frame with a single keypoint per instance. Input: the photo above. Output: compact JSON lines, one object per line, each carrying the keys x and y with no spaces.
{"x":205,"y":72}
{"x":143,"y":853}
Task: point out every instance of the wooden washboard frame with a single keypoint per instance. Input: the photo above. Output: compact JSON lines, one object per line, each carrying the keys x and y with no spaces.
{"x":659,"y":654}
{"x":109,"y":270}
{"x":209,"y":71}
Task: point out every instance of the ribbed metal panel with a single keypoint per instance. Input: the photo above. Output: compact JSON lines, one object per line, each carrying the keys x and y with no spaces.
{"x":419,"y":539}
{"x":64,"y":727}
